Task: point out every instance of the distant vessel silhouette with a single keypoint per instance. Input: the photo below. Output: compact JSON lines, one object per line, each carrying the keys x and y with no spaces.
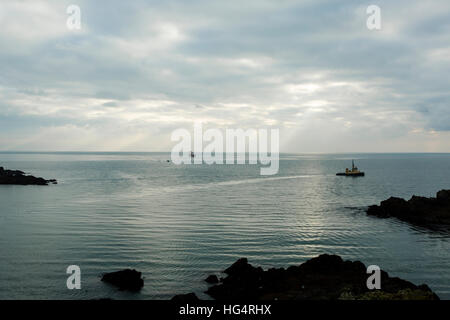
{"x":354,"y":172}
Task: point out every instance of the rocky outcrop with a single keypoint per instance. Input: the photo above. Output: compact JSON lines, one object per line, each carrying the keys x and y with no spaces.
{"x":325,"y":277}
{"x":18,"y":177}
{"x":125,"y":279}
{"x":418,"y":210}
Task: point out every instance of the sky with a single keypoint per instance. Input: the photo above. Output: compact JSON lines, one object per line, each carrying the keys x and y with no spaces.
{"x":138,"y":70}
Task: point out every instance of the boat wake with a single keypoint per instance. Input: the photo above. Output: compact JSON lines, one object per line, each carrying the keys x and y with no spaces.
{"x":192,"y":187}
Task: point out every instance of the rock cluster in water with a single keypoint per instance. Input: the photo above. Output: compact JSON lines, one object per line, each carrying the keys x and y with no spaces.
{"x":18,"y":177}
{"x":418,"y":210}
{"x":325,"y":277}
{"x":127,"y":279}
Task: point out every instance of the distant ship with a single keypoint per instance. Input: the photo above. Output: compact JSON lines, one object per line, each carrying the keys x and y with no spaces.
{"x":351,"y":173}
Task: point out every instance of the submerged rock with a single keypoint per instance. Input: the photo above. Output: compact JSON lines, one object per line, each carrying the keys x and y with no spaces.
{"x":325,"y":277}
{"x":183,"y":298}
{"x":125,"y":279}
{"x":17,"y":177}
{"x":418,"y":210}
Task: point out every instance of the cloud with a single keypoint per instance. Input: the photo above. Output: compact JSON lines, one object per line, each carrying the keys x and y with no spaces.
{"x":138,"y":70}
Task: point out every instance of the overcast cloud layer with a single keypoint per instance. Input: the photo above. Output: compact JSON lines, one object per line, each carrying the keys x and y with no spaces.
{"x":139,"y":69}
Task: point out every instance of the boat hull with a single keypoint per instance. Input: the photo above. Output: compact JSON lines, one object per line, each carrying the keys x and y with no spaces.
{"x":359,"y":174}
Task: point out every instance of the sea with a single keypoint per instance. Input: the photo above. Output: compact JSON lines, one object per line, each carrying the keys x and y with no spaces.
{"x":177,"y":224}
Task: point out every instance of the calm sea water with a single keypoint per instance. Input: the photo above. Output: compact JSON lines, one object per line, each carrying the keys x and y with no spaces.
{"x":178,"y":224}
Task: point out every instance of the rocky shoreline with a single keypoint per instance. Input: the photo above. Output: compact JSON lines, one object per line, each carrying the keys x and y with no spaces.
{"x":422,"y":211}
{"x":17,"y":177}
{"x":327,"y":277}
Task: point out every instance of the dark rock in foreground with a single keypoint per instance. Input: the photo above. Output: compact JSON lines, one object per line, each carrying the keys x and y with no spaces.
{"x":212,"y":279}
{"x":184,"y":298}
{"x":325,"y":277}
{"x":125,"y":280}
{"x":418,"y":210}
{"x":18,"y":177}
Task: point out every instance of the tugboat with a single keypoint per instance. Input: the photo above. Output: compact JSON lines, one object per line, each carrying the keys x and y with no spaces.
{"x":351,"y":173}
